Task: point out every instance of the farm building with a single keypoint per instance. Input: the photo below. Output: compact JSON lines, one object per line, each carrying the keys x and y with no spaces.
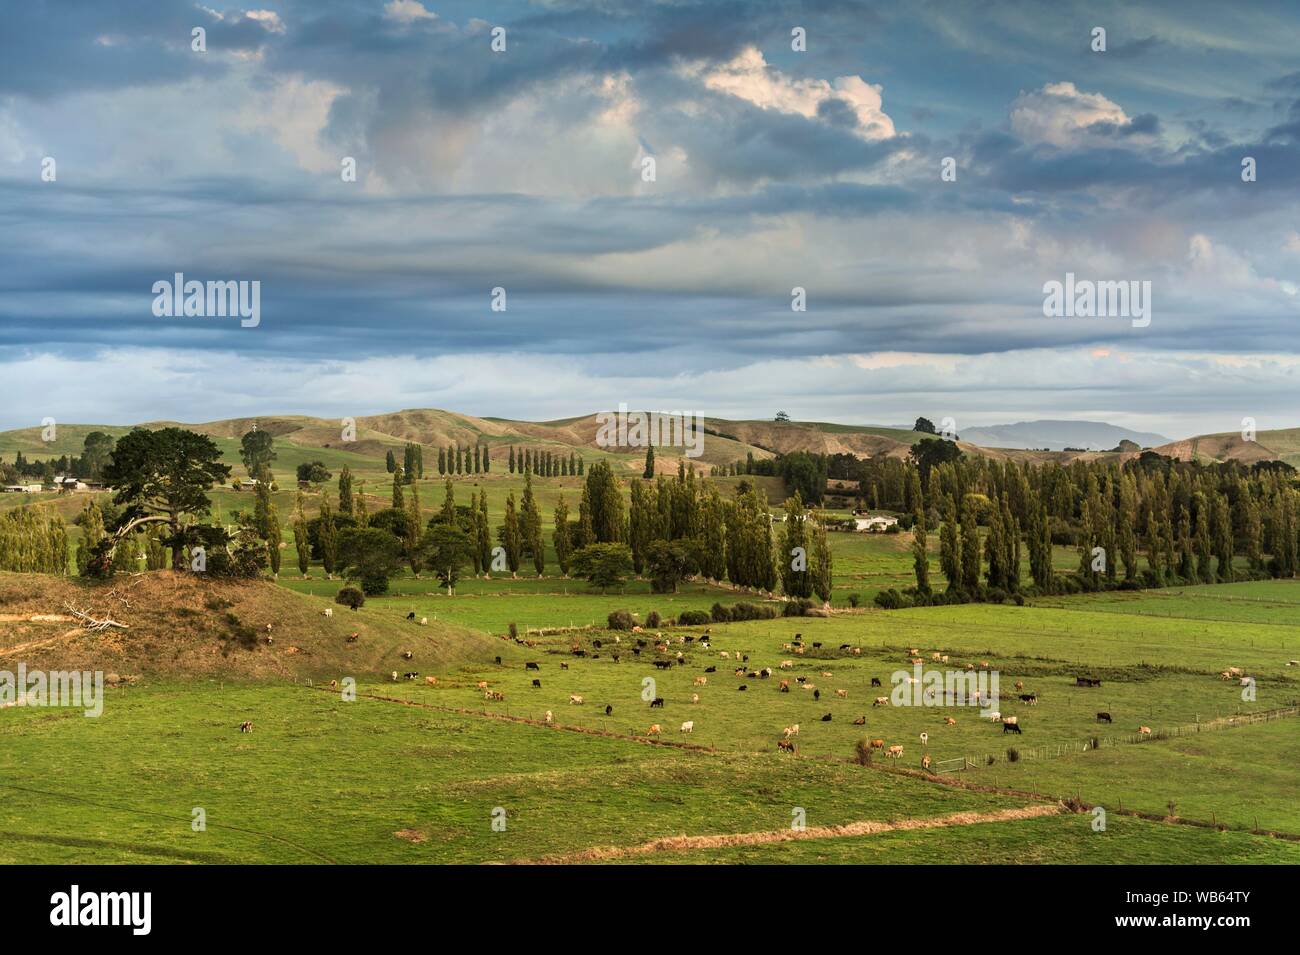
{"x":21,"y":488}
{"x":874,"y":523}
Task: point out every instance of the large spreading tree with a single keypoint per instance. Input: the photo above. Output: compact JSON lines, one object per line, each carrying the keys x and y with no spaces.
{"x":162,"y":476}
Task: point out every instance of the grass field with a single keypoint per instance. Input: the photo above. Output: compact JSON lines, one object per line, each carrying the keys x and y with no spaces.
{"x":322,"y":779}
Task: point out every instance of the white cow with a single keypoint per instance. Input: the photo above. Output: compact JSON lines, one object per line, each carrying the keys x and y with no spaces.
{"x":688,"y":726}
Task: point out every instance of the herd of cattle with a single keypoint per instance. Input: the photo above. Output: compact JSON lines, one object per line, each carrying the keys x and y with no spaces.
{"x":667,"y":657}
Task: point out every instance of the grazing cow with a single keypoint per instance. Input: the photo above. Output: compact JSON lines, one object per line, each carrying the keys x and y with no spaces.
{"x":424,"y":621}
{"x":246,"y":726}
{"x":1293,"y":663}
{"x":538,"y":684}
{"x":574,"y":698}
{"x":826,"y":718}
{"x":857,"y":651}
{"x":740,"y":672}
{"x":498,"y":661}
{"x":328,"y":611}
{"x":1144,"y":731}
{"x":860,"y":721}
{"x":817,"y":694}
{"x":925,"y":738}
{"x":700,"y":681}
{"x":411,"y":615}
{"x":801,"y":679}
{"x":787,"y":664}
{"x":609,"y":709}
{"x":482,"y":684}
{"x":844,"y":646}
{"x":742,"y":687}
{"x":1011,"y":719}
{"x":944,"y":658}
{"x":431,"y":680}
{"x":881,"y":701}
{"x":407,"y":654}
{"x":695,"y":697}
{"x":412,"y":675}
{"x":724,"y":654}
{"x":826,"y":675}
{"x":1245,"y":681}
{"x":791,"y":731}
{"x":688,"y":726}
{"x":1086,"y":681}
{"x":913,"y":651}
{"x":564,"y":666}
{"x":710,"y":669}
{"x":1019,"y":685}
{"x":995,"y":716}
{"x":875,"y":681}
{"x":984,"y":664}
{"x":530,"y":666}
{"x":817,"y":646}
{"x":494,"y":696}
{"x":549,"y":716}
{"x":394,"y":676}
{"x":663,"y":664}
{"x":596,"y":644}
{"x":785,"y":745}
{"x":925,"y":762}
{"x":949,"y":721}
{"x":352,"y":638}
{"x":915,"y":661}
{"x":1011,"y":728}
{"x":785,"y":686}
{"x":657,"y":702}
{"x":1029,"y":698}
{"x":894,"y":752}
{"x":935,"y":656}
{"x":877,"y":744}
{"x":1104,"y":718}
{"x":842,"y":694}
{"x":654,"y":730}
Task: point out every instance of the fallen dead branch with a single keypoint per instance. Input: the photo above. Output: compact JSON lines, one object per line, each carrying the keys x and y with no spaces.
{"x":91,"y":623}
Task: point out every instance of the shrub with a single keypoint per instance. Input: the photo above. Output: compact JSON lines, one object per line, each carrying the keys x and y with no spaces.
{"x":855,"y":599}
{"x":797,"y":608}
{"x":720,"y":613}
{"x":350,"y":597}
{"x":514,"y":631}
{"x":693,"y":618}
{"x":621,"y":620}
{"x":748,"y":611}
{"x":862,"y":752}
{"x":1013,"y":755}
{"x":653,"y":619}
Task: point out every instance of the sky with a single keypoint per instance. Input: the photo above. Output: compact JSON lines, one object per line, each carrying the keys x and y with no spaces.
{"x":648,"y":183}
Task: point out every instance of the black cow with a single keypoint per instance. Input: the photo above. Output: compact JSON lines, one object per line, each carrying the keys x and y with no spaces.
{"x":844,"y":646}
{"x":1011,"y":728}
{"x":817,"y":646}
{"x":608,"y":709}
{"x":564,"y":666}
{"x":1103,"y":718}
{"x":817,"y":694}
{"x":529,"y":666}
{"x":641,"y":643}
{"x":498,"y":661}
{"x":658,"y":701}
{"x":538,"y":684}
{"x":875,"y":681}
{"x":636,"y":651}
{"x":742,"y":687}
{"x":596,"y":644}
{"x":579,"y":653}
{"x":710,"y":669}
{"x":411,"y":615}
{"x":412,"y":675}
{"x":826,"y":718}
{"x":663,"y":664}
{"x":1029,"y":698}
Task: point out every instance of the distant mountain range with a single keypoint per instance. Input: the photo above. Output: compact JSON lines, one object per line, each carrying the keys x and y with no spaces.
{"x":1051,"y":435}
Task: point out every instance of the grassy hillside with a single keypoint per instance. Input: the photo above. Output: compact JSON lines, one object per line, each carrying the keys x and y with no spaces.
{"x":186,"y":625}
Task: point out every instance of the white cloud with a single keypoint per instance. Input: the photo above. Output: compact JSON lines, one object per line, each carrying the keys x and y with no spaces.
{"x":749,"y":77}
{"x":1060,"y":114}
{"x":407,"y":11}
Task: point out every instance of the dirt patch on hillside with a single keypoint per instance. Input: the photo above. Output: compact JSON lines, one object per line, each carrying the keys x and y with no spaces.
{"x":723,"y":841}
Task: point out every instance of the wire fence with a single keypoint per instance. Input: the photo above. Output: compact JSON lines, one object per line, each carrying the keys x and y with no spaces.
{"x":1057,"y":750}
